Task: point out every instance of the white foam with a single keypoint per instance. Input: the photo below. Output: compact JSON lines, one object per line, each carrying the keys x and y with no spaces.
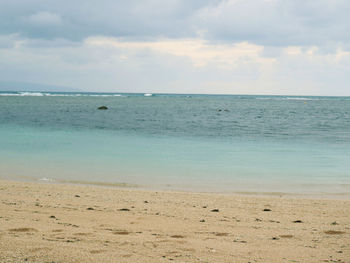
{"x":61,"y":95}
{"x":148,"y":94}
{"x":40,"y":94}
{"x":45,"y":179}
{"x":31,"y":94}
{"x":9,"y":94}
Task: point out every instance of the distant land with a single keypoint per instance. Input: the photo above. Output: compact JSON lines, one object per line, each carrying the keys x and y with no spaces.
{"x":26,"y":86}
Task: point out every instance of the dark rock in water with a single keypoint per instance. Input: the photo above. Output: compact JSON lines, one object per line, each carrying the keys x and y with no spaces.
{"x":102,"y":108}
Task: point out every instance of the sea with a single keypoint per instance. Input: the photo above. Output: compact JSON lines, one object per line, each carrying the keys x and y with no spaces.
{"x":178,"y":142}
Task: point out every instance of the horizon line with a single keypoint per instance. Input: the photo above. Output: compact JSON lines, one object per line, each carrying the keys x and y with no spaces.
{"x":172,"y":93}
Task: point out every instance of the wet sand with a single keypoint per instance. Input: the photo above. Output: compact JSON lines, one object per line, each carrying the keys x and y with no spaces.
{"x":73,"y":223}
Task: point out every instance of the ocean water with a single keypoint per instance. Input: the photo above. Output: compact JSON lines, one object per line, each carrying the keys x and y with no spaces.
{"x":216,"y":143}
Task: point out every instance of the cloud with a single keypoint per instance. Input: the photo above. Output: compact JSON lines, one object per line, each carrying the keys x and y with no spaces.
{"x":261,"y":22}
{"x":10,"y":41}
{"x":200,"y":46}
{"x":84,"y":18}
{"x":183,"y":66}
{"x":44,"y":19}
{"x":197,"y":50}
{"x":276,"y":22}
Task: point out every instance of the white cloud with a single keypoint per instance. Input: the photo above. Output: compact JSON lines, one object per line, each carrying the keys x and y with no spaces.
{"x":10,"y":41}
{"x":201,"y":53}
{"x":183,"y":66}
{"x":44,"y":18}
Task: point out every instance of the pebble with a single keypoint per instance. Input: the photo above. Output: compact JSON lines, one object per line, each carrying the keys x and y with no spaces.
{"x":297,"y":221}
{"x":124,"y":209}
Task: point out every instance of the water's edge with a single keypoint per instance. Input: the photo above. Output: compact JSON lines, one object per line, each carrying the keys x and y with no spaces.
{"x":170,"y":189}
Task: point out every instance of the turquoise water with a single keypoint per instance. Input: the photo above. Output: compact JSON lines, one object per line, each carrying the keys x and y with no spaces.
{"x":179,"y":142}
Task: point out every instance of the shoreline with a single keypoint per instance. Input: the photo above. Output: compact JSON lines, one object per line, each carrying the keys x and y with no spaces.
{"x":44,"y":222}
{"x":173,"y":189}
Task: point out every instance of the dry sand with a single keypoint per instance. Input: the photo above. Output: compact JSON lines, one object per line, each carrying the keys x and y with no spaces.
{"x":71,"y":223}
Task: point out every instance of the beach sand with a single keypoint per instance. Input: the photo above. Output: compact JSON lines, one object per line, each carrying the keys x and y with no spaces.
{"x":74,"y":223}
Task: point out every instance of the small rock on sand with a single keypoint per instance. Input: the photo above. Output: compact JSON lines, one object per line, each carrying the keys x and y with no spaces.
{"x":297,"y":221}
{"x":124,"y":209}
{"x":334,"y":232}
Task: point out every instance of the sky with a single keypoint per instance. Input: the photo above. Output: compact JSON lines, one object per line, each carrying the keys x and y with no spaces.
{"x":285,"y":47}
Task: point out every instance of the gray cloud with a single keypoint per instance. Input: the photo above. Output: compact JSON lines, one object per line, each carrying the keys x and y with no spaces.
{"x":82,"y":18}
{"x":266,"y":22}
{"x":274,"y":22}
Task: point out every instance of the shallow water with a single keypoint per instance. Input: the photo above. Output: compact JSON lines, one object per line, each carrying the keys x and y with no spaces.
{"x":186,"y":142}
